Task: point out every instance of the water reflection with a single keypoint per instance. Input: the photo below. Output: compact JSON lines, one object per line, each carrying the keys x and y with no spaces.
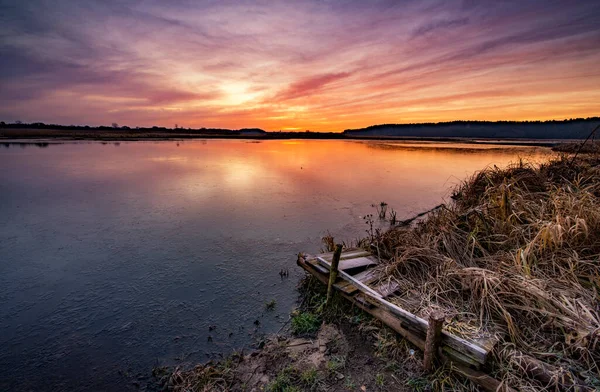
{"x":112,"y":259}
{"x":25,"y":144}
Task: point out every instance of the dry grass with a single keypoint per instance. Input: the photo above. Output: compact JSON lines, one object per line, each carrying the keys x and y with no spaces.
{"x":202,"y":378}
{"x":590,"y":147}
{"x":516,"y":254}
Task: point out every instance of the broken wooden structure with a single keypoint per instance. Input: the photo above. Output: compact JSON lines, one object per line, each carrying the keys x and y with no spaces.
{"x":359,"y":280}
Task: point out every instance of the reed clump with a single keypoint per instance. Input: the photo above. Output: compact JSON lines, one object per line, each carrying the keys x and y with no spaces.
{"x":516,"y":255}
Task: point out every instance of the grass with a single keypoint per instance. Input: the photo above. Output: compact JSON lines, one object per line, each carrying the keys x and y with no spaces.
{"x":284,"y":382}
{"x":349,"y":383}
{"x":209,"y":376}
{"x":336,"y":363}
{"x":291,"y":380}
{"x":305,"y":323}
{"x":516,"y":254}
{"x":310,"y":379}
{"x":380,"y":380}
{"x":418,"y":384}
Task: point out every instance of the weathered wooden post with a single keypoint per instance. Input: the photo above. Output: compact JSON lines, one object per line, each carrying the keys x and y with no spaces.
{"x":434,"y":332}
{"x":333,"y":271}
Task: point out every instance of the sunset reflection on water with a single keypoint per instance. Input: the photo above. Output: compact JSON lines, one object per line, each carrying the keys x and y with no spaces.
{"x":109,"y":252}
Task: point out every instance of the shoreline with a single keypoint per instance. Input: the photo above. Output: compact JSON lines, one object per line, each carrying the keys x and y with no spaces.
{"x":45,"y":135}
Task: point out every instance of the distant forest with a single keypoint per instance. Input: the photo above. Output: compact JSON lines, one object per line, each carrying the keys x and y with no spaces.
{"x":577,"y":128}
{"x":116,"y":127}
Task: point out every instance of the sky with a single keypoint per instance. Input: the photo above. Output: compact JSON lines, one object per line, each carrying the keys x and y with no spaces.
{"x":297,"y":65}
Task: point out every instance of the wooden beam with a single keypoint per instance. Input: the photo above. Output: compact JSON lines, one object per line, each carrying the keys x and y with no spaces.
{"x":434,"y":331}
{"x":333,"y":271}
{"x":478,"y":353}
{"x":347,"y":254}
{"x":357,"y":262}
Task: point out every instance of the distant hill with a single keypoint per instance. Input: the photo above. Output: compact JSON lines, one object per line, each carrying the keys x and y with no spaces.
{"x":555,"y":129}
{"x":578,"y":128}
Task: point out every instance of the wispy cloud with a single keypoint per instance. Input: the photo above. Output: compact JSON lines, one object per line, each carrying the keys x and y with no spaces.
{"x":439,"y":25}
{"x":309,"y":86}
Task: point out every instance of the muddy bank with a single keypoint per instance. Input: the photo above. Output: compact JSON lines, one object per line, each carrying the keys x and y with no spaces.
{"x":335,"y":359}
{"x":334,"y":348}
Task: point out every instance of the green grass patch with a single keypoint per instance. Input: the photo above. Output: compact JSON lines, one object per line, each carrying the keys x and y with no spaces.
{"x":284,"y":382}
{"x":305,"y":323}
{"x":380,"y":380}
{"x":310,"y":379}
{"x":336,"y":363}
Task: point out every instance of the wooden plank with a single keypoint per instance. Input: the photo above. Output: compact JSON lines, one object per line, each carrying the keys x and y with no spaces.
{"x":341,"y":285}
{"x":387,"y":288}
{"x":345,"y":287}
{"x":363,"y":287}
{"x":347,"y":254}
{"x":365,"y":276}
{"x":318,"y":267}
{"x":459,"y":344}
{"x":487,"y":342}
{"x":363,"y":301}
{"x":368,"y":275}
{"x":353,"y":254}
{"x":356,"y":262}
{"x":463,"y":358}
{"x":485,"y":381}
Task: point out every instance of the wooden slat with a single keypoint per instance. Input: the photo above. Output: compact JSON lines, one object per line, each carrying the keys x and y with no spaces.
{"x":365,"y":276}
{"x":345,"y":287}
{"x":347,"y":254}
{"x":482,"y":379}
{"x":364,"y":301}
{"x":368,"y":275}
{"x":356,"y":262}
{"x":387,"y":288}
{"x":463,"y":358}
{"x":342,"y":285}
{"x":316,"y":265}
{"x":457,"y":343}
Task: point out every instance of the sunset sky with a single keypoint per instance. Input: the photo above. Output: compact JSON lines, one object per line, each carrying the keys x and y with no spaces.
{"x":296,"y":65}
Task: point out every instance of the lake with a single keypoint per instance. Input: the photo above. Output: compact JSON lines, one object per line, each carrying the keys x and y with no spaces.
{"x":116,"y":257}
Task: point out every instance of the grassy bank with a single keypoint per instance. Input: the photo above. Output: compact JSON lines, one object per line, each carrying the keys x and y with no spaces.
{"x":515,"y":255}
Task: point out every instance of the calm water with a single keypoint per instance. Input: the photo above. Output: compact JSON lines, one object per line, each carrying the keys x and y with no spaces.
{"x":115,"y":258}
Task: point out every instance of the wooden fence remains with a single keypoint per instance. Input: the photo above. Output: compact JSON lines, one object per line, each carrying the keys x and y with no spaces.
{"x":359,"y":279}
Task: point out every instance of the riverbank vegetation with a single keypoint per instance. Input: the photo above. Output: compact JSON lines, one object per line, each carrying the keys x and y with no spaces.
{"x":515,"y":255}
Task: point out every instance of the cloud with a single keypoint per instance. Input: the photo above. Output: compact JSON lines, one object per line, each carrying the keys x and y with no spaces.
{"x":310,"y":85}
{"x":439,"y":25}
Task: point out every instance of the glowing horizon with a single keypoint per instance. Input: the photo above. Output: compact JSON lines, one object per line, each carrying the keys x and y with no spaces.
{"x":323,"y":66}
